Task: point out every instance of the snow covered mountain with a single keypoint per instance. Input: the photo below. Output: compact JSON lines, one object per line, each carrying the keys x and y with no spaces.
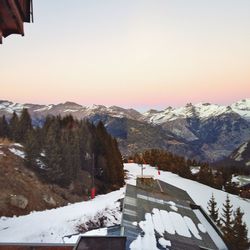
{"x":202,"y":111}
{"x":215,"y":131}
{"x":75,"y":109}
{"x":203,"y":131}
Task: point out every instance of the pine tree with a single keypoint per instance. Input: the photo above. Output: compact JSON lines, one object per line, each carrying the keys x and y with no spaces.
{"x":212,"y":208}
{"x":205,"y":175}
{"x":227,"y":221}
{"x":4,"y":128}
{"x":32,"y":149}
{"x":71,"y":164}
{"x":24,"y":125}
{"x":53,"y":154}
{"x":239,"y":240}
{"x":13,"y":126}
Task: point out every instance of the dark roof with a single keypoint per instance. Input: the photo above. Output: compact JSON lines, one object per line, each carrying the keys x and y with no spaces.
{"x":141,"y":200}
{"x":101,"y":242}
{"x":12,"y":15}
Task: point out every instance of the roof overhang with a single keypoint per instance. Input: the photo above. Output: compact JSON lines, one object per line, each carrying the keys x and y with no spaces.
{"x":12,"y":15}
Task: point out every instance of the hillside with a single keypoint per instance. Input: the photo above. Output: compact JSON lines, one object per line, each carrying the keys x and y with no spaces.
{"x":204,"y":131}
{"x":22,"y":190}
{"x":239,"y":158}
{"x":66,"y":220}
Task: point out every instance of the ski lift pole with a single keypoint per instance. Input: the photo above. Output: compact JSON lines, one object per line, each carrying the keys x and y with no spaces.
{"x":93,"y":190}
{"x":141,"y":170}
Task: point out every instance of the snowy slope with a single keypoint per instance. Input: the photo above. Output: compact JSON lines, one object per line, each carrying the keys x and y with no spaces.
{"x":52,"y":225}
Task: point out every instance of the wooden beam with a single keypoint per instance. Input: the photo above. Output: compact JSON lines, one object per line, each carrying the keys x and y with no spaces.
{"x":1,"y":36}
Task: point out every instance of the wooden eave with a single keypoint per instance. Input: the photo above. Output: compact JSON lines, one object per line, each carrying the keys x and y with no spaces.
{"x":12,"y":15}
{"x":11,"y":21}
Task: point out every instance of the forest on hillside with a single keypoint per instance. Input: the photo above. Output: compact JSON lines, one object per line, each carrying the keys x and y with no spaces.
{"x":64,"y":148}
{"x":219,"y":178}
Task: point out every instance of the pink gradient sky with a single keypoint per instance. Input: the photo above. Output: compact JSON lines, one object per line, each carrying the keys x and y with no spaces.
{"x":141,"y":54}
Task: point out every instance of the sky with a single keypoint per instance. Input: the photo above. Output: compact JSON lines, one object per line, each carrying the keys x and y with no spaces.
{"x":131,"y":53}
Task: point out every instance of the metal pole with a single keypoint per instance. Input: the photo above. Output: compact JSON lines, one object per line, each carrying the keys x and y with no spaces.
{"x":93,"y":170}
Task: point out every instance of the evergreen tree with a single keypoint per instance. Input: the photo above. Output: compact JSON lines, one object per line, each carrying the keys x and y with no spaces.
{"x":239,"y":240}
{"x":205,"y":175}
{"x":76,"y":159}
{"x":184,"y":170}
{"x":109,"y":167}
{"x":24,"y":125}
{"x":68,"y":147}
{"x":70,"y":157}
{"x":32,"y":149}
{"x":212,"y":208}
{"x":53,"y":154}
{"x":227,"y":221}
{"x":4,"y":128}
{"x":86,"y":145}
{"x":13,"y":126}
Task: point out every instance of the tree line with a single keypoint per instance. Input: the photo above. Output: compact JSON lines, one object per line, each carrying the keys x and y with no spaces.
{"x":167,"y":161}
{"x":231,"y":224}
{"x":64,"y":146}
{"x":164,"y":160}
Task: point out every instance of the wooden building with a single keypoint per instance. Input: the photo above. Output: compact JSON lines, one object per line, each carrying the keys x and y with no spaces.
{"x":13,"y":13}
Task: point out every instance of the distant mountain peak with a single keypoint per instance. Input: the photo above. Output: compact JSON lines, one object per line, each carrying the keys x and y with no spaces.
{"x":70,"y":103}
{"x":189,"y":105}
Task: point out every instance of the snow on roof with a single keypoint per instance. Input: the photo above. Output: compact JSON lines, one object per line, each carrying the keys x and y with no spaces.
{"x":151,"y":215}
{"x":162,"y":222}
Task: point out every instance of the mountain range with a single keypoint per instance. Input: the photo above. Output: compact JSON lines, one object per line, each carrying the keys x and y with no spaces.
{"x":204,"y":131}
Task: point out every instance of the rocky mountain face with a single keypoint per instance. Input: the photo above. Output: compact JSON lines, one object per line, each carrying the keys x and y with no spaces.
{"x":204,"y":131}
{"x":240,"y":157}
